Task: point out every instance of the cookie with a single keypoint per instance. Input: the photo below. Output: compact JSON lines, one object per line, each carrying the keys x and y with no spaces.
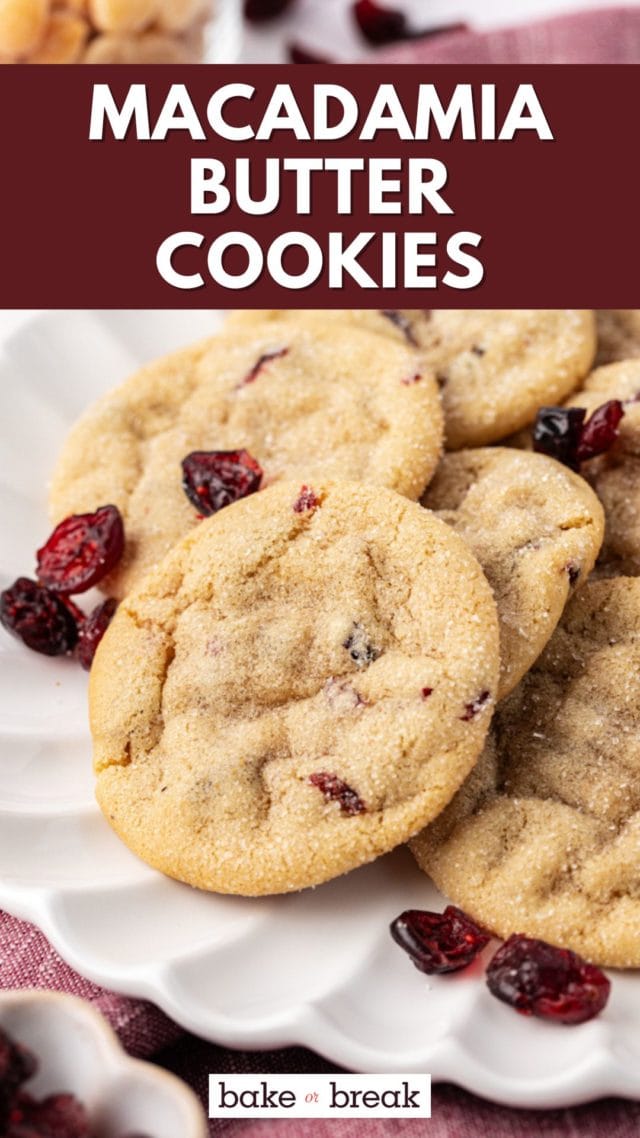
{"x":544,"y":838}
{"x":303,"y":682}
{"x":618,"y":334}
{"x":536,"y":529}
{"x":615,"y":476}
{"x":346,"y":404}
{"x":494,"y":367}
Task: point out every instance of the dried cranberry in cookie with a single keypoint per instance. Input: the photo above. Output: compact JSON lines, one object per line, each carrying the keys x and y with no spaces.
{"x":305,"y":399}
{"x":214,"y":479}
{"x":258,"y":706}
{"x":566,"y":434}
{"x":494,"y":368}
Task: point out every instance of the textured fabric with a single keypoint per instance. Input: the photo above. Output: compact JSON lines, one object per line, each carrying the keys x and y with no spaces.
{"x":609,"y":35}
{"x":28,"y":961}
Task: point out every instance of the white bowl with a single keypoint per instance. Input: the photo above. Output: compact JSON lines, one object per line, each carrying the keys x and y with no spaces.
{"x":224,"y":32}
{"x":77,"y":1052}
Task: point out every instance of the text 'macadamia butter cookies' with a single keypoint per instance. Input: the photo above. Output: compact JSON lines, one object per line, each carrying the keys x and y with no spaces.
{"x":303,"y":683}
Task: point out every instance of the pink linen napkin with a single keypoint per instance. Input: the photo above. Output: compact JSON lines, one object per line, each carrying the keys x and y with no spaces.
{"x":606,"y":35}
{"x":27,"y":960}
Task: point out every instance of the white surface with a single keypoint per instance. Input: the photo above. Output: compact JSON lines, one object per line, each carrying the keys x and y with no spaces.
{"x":79,"y":1054}
{"x":327,"y":26}
{"x":318,"y":968}
{"x":224,"y":34}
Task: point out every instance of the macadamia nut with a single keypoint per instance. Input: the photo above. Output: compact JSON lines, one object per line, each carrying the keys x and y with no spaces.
{"x":102,"y":31}
{"x":22,"y":25}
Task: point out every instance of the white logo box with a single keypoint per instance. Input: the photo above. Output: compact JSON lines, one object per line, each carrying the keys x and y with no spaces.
{"x":319,"y":1096}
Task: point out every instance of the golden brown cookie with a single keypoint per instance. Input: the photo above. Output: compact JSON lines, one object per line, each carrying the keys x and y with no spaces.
{"x":346,"y":404}
{"x":615,"y":476}
{"x":544,"y":838}
{"x":494,"y":367}
{"x":618,"y":334}
{"x":536,"y":529}
{"x":304,"y":681}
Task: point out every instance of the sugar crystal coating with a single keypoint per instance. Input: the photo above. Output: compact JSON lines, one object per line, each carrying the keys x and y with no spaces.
{"x":257,"y":705}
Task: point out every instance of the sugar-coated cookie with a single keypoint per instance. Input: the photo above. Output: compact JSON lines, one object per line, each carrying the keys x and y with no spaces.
{"x":618,"y":334}
{"x":304,"y":681}
{"x":536,"y":529}
{"x":544,"y":837}
{"x":494,"y":367}
{"x":346,"y":404}
{"x":615,"y":475}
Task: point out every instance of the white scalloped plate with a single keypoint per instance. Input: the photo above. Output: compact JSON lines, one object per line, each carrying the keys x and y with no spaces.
{"x":77,"y":1052}
{"x":318,"y":968}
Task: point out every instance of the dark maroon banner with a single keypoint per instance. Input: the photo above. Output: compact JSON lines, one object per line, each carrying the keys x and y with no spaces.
{"x":82,"y":221}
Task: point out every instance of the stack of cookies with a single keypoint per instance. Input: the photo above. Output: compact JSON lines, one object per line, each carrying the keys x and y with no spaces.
{"x":402,"y":636}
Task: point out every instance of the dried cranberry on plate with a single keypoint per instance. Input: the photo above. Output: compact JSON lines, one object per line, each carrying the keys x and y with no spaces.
{"x":542,"y":980}
{"x":439,"y":942}
{"x":81,"y":551}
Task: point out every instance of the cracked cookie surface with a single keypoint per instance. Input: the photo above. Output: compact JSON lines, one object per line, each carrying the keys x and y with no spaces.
{"x":494,"y":367}
{"x":536,"y":529}
{"x":344,"y":404}
{"x":303,"y":683}
{"x":544,"y":837}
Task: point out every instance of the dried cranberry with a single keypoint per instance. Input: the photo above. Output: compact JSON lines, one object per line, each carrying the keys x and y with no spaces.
{"x":261,"y":362}
{"x":81,"y":551}
{"x":541,"y":980}
{"x":58,"y":1116}
{"x":93,"y":629}
{"x":402,"y":322}
{"x":215,"y":478}
{"x":16,"y":1066}
{"x":38,"y":617}
{"x":380,"y":24}
{"x":439,"y":942}
{"x":307,"y":500}
{"x":472,"y":709}
{"x":257,"y":11}
{"x":335,"y":790}
{"x":601,"y":430}
{"x":563,"y":434}
{"x":299,"y":54}
{"x":426,"y":692}
{"x":556,"y":433}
